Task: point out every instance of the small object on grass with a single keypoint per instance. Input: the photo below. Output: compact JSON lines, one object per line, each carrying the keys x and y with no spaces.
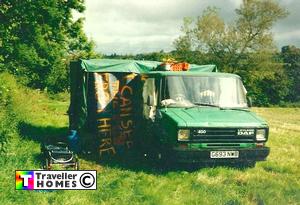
{"x":59,"y":155}
{"x":73,"y":141}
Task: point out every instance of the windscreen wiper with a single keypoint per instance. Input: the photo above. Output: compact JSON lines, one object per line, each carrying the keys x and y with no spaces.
{"x":235,"y":108}
{"x":206,"y":104}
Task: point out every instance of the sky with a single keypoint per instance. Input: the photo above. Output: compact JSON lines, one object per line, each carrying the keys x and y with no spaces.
{"x":139,"y":26}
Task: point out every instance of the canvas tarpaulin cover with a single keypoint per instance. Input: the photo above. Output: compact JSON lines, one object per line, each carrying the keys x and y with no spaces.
{"x":106,"y":99}
{"x":132,"y":66}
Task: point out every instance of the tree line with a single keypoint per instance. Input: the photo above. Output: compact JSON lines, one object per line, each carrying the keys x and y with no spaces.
{"x":38,"y":39}
{"x":281,"y":88}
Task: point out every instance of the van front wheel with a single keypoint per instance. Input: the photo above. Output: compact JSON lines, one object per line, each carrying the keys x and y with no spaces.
{"x":248,"y":164}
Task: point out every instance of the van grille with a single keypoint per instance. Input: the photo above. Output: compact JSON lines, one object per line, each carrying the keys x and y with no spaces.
{"x":219,"y":135}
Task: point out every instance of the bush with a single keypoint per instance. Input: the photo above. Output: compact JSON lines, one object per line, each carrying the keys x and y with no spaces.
{"x":8,"y":118}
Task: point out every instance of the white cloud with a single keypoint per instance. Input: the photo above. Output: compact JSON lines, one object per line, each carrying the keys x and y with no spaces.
{"x":135,"y":26}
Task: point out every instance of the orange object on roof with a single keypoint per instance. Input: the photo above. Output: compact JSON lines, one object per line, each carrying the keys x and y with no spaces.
{"x":175,"y":66}
{"x":180,"y":66}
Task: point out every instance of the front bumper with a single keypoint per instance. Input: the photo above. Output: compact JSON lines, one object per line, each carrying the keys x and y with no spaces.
{"x":203,"y":156}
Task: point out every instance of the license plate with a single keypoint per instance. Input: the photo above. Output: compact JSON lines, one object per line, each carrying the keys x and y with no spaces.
{"x":224,"y":154}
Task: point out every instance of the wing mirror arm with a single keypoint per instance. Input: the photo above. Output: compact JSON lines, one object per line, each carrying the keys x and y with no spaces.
{"x":249,"y":101}
{"x":150,"y":101}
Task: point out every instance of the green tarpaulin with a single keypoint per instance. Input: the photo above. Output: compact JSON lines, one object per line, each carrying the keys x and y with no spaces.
{"x":132,"y":66}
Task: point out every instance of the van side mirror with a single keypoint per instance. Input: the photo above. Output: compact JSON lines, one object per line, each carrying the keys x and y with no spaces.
{"x":249,"y":101}
{"x":150,"y":100}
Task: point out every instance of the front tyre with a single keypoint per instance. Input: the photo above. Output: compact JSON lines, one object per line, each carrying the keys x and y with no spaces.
{"x":248,"y":164}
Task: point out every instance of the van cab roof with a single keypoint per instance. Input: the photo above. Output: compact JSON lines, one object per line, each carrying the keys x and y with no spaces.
{"x":190,"y":73}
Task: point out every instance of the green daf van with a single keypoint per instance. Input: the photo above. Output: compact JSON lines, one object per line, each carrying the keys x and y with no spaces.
{"x":195,"y":116}
{"x":201,"y":117}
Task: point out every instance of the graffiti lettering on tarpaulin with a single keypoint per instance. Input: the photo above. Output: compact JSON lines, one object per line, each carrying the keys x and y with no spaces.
{"x":115,"y":108}
{"x":106,"y":147}
{"x":106,"y":88}
{"x":114,"y":95}
{"x":105,"y":135}
{"x":126,"y":123}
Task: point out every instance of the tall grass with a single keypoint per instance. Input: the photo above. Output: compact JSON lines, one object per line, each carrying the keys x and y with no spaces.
{"x":276,"y":181}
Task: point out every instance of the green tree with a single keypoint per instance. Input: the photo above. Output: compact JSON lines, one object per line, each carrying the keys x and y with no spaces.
{"x":38,"y":38}
{"x":291,"y":58}
{"x":245,"y":46}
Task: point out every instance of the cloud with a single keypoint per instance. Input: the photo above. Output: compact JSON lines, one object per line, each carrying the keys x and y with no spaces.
{"x":287,"y":31}
{"x":134,"y":26}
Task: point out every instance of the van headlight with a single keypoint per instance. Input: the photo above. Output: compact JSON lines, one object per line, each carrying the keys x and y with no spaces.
{"x":183,"y":135}
{"x":261,"y":135}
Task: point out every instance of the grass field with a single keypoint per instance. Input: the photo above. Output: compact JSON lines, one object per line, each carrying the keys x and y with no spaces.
{"x":276,"y":181}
